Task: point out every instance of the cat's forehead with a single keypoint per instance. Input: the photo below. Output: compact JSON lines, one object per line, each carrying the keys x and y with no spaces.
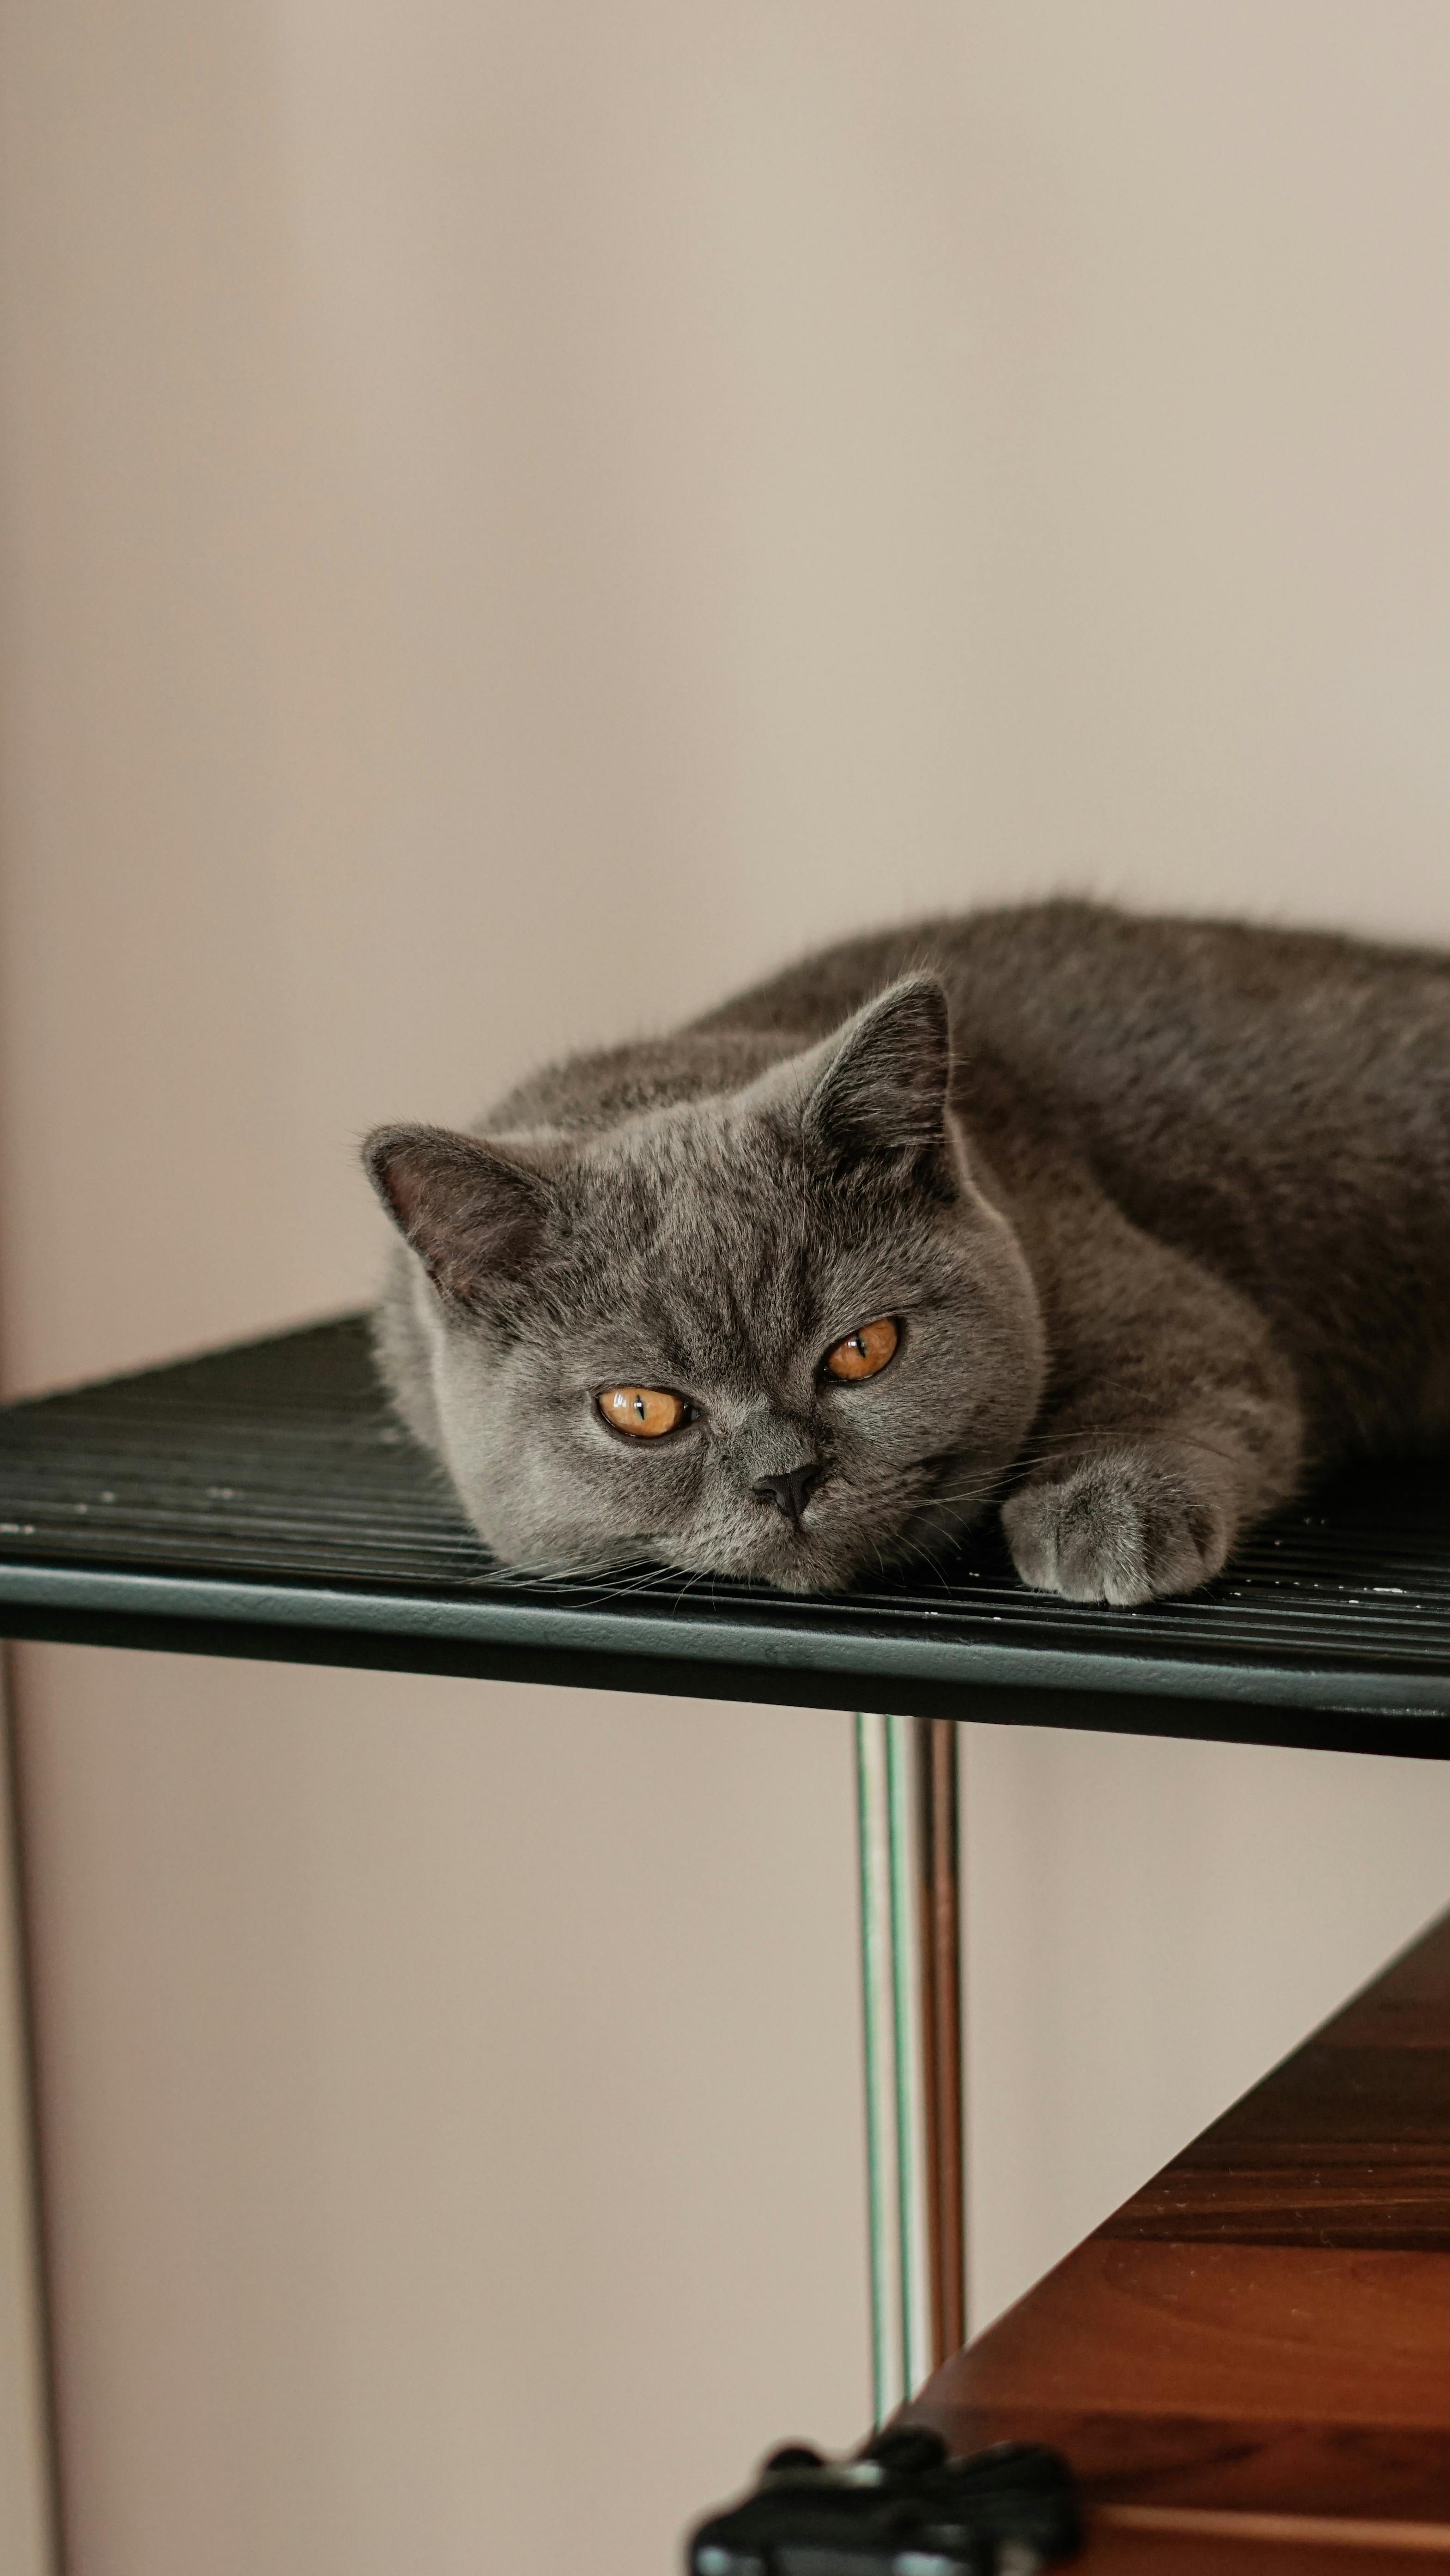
{"x":708,"y":1162}
{"x":715,"y":1240}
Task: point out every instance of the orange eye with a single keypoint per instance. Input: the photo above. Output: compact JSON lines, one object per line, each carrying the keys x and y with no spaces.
{"x":864,"y":1353}
{"x":645,"y":1412}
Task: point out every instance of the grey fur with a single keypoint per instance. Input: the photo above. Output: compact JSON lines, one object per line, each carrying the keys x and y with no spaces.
{"x":1162,"y":1210}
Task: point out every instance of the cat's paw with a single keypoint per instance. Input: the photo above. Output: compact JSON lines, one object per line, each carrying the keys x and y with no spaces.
{"x":1121,"y":1525}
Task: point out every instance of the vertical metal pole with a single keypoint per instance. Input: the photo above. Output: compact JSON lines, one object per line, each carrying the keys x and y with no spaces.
{"x":878,"y":2020}
{"x":940,"y":1939}
{"x":911,"y":2244}
{"x":906,"y":1773}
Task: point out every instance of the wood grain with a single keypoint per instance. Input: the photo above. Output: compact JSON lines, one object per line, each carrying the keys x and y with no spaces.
{"x":1255,"y":2550}
{"x":1262,"y":2331}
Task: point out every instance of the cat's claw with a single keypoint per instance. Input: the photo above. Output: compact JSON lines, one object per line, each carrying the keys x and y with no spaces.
{"x":1120,"y":1525}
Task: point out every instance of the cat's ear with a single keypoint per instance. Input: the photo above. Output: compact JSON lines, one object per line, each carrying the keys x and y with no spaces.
{"x":882,"y":1095}
{"x":473,"y":1216}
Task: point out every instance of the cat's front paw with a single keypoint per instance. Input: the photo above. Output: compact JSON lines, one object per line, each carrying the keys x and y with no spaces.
{"x":1121,"y":1525}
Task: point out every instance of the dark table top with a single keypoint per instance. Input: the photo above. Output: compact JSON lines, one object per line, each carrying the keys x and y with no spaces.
{"x":1255,"y":2350}
{"x":262,"y":1501}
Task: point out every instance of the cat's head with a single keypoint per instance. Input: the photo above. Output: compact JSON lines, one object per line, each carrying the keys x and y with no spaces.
{"x":777,"y":1332}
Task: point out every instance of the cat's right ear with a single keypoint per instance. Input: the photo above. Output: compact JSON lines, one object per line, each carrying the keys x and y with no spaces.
{"x":473,"y":1217}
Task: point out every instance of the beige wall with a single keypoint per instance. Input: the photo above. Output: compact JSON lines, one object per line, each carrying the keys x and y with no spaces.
{"x":26,"y":2464}
{"x":518,"y":515}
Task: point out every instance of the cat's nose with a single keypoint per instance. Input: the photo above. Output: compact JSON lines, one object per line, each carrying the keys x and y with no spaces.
{"x":788,"y":1492}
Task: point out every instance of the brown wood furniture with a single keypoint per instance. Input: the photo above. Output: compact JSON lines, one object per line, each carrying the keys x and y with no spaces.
{"x":1249,"y":2363}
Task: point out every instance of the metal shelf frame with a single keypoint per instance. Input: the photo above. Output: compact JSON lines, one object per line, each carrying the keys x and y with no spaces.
{"x":262,"y":1502}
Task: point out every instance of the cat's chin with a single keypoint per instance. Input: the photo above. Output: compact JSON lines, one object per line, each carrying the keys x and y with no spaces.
{"x":797,"y":1563}
{"x":807,"y":1578}
{"x":806,"y":1563}
{"x":827,"y":1559}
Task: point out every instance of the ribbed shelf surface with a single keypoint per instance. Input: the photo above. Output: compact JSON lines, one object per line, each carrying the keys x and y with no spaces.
{"x":262,"y":1500}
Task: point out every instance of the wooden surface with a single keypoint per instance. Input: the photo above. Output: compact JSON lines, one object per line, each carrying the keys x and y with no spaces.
{"x":1249,"y":2364}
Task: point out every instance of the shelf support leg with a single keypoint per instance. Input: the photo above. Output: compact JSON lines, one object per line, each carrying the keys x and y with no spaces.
{"x":907,"y":1821}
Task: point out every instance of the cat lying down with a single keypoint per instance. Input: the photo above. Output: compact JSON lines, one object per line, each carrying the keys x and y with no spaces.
{"x":1128,"y":1226}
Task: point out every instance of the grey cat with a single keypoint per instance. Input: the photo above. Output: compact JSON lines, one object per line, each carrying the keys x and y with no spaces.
{"x":1135,"y":1223}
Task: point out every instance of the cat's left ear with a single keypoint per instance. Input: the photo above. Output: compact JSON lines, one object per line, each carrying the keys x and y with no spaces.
{"x":882,"y":1095}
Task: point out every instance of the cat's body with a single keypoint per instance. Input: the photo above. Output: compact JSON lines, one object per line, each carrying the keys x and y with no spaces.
{"x":1165,"y":1229}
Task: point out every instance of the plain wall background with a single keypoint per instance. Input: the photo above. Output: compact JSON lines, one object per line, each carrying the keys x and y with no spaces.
{"x":27,"y":2490}
{"x":516,"y":517}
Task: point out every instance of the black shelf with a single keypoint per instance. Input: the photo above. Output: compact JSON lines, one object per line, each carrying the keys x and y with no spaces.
{"x":261,"y":1501}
